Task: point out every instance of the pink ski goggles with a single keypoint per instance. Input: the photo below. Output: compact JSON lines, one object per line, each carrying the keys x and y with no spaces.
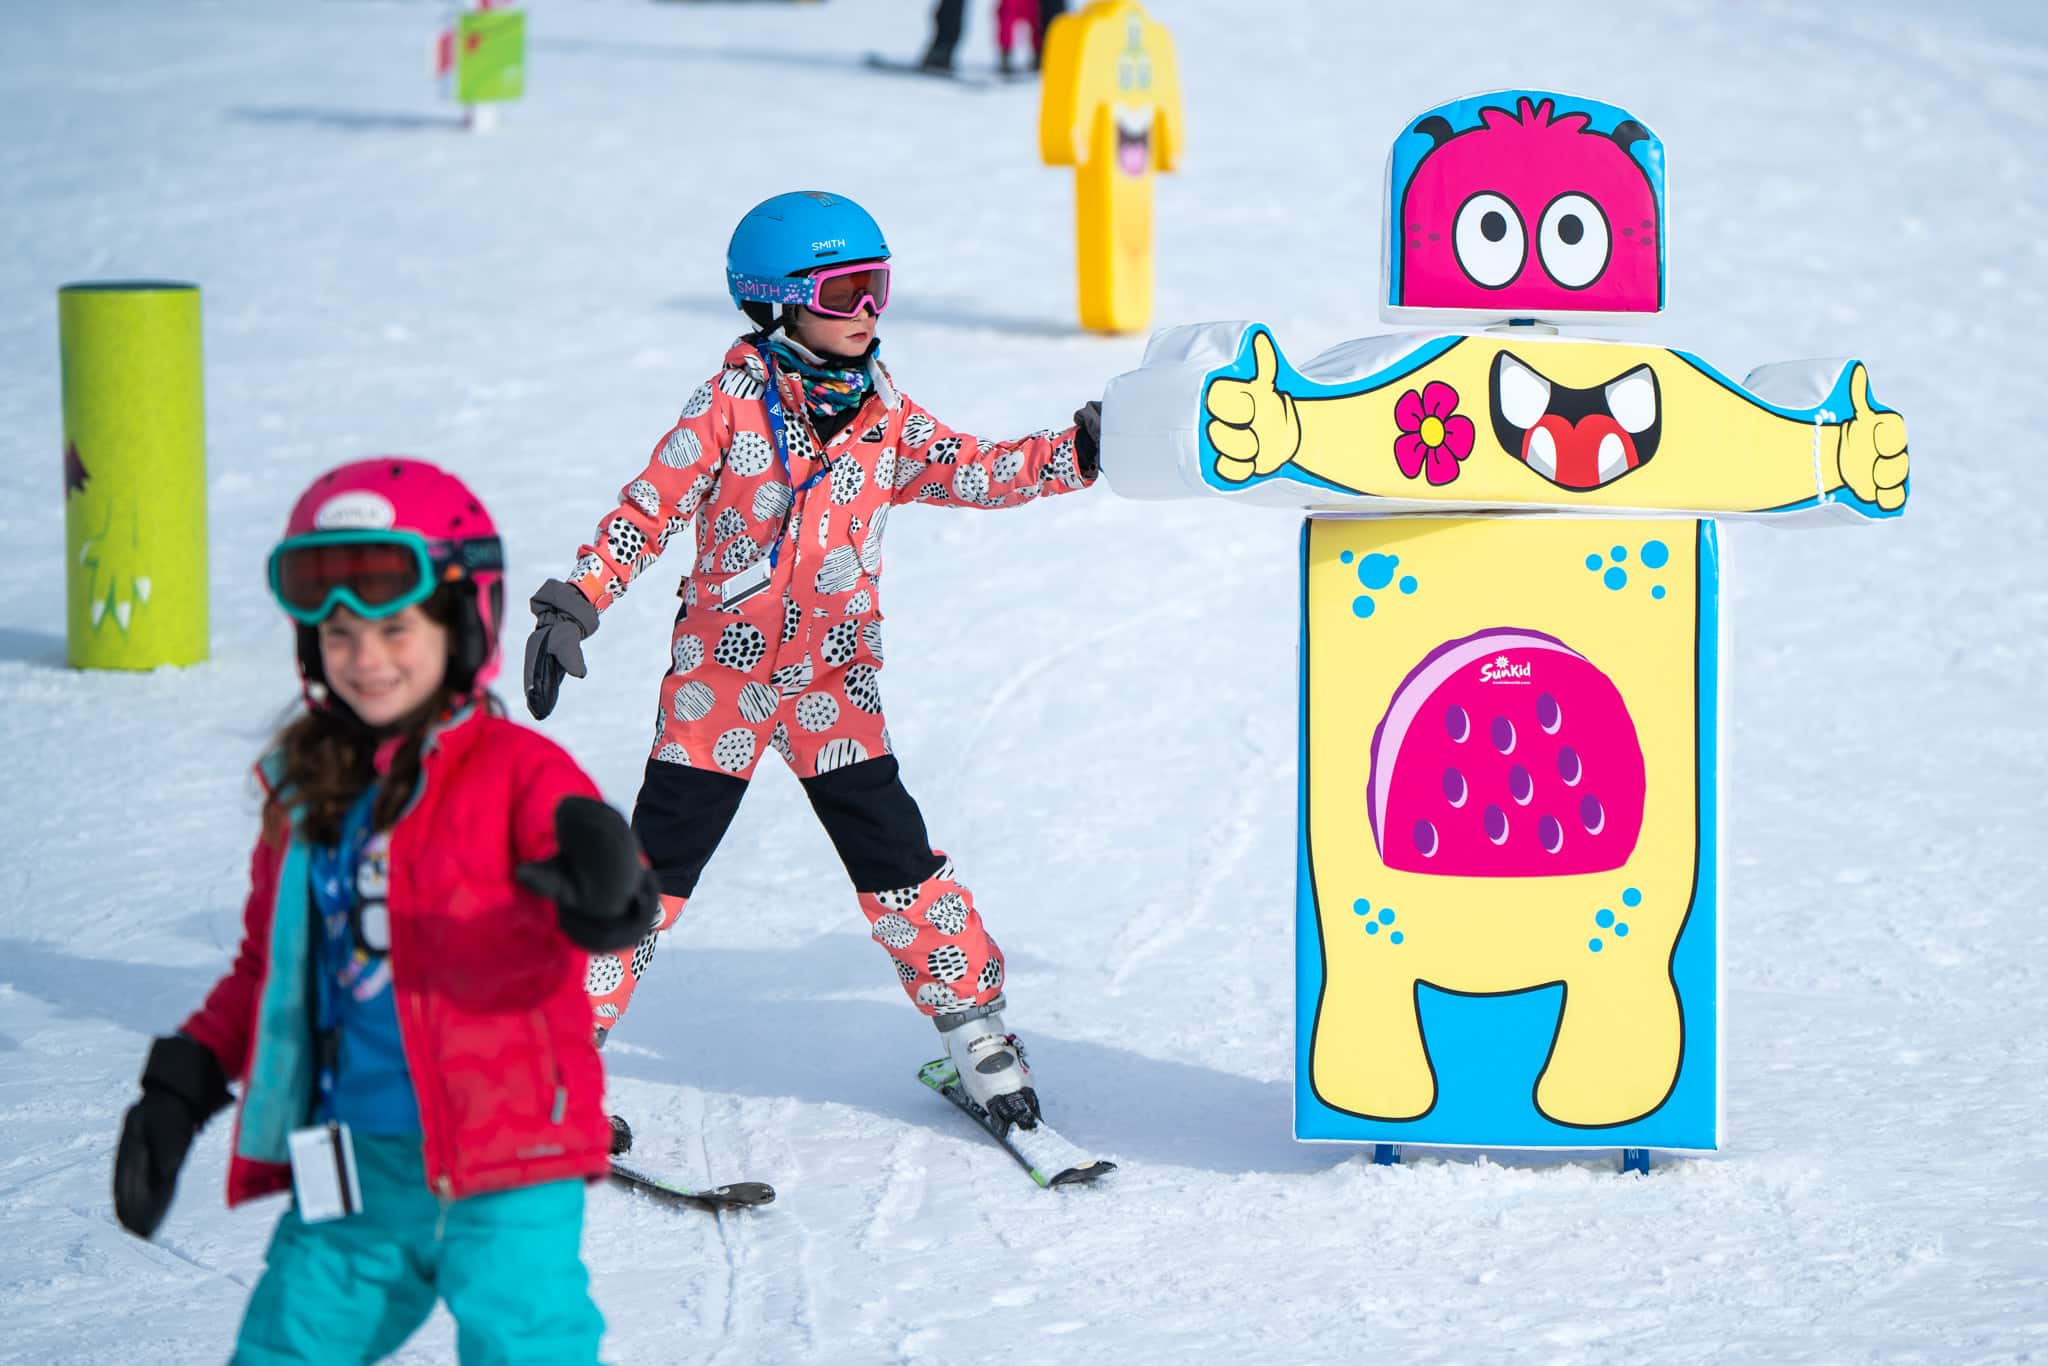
{"x":835,"y":292}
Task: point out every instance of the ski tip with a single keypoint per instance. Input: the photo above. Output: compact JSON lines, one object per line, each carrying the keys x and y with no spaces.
{"x":733,"y":1195}
{"x":1085,"y":1173}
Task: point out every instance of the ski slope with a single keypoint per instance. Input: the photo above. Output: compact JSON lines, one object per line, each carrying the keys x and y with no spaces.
{"x":1093,"y":699}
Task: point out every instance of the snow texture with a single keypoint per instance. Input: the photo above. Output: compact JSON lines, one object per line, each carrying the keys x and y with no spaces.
{"x":1094,"y":698}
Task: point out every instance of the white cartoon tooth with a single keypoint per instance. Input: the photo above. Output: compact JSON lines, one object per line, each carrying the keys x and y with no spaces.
{"x":1524,"y":395}
{"x":1613,"y":459}
{"x":1633,"y":400}
{"x":1543,"y":453}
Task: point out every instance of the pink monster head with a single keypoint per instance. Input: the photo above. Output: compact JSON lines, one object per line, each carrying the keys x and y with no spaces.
{"x":1530,"y":212}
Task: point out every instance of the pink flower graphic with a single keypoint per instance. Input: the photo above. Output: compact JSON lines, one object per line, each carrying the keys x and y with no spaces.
{"x":1433,"y":433}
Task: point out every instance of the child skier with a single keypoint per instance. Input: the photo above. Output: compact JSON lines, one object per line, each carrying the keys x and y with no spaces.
{"x":406,"y":1000}
{"x":791,"y":460}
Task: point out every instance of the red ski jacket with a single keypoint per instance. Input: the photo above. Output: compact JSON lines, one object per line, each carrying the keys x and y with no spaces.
{"x":489,"y":992}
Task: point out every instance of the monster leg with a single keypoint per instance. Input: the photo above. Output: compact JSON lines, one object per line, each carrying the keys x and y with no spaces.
{"x":1369,"y":1057}
{"x":1617,"y":1050}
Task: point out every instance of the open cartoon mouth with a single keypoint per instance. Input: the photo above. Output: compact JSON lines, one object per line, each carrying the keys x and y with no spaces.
{"x":1575,"y":438}
{"x":1133,"y":140}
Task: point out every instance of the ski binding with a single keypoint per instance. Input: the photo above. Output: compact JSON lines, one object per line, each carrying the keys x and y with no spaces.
{"x":1050,"y":1158}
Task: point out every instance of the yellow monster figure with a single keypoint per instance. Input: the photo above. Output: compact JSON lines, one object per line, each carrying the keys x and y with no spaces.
{"x":1110,"y":108}
{"x":1529,"y":700}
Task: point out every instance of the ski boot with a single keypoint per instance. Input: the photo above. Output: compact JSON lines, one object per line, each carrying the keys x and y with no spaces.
{"x":990,"y":1062}
{"x":622,"y":1135}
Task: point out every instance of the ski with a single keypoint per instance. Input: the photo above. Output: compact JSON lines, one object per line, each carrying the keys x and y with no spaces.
{"x":896,"y":66}
{"x":735,"y":1195}
{"x":1042,"y":1151}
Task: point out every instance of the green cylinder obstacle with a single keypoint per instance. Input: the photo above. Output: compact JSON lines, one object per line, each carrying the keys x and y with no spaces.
{"x":134,"y":474}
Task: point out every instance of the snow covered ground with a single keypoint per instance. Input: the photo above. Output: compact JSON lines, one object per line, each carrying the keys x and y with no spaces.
{"x":1094,"y":699}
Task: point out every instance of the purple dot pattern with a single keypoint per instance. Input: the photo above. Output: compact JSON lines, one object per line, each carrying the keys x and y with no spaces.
{"x":1528,"y":768}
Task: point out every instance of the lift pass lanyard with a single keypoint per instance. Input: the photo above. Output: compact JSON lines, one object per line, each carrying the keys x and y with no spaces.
{"x":778,"y":427}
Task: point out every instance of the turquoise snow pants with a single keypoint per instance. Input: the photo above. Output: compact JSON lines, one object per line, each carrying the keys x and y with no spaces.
{"x":351,"y":1290}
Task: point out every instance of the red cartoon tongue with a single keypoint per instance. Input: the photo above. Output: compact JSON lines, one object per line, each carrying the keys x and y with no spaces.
{"x":1581,"y":455}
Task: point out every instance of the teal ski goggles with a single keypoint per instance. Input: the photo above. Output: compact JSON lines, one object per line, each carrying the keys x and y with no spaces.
{"x":372,"y":573}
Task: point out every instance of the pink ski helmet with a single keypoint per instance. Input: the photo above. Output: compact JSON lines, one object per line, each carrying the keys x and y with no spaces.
{"x":382,"y":534}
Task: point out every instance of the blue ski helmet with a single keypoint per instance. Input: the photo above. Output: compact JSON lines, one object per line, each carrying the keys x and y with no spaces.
{"x":782,"y":237}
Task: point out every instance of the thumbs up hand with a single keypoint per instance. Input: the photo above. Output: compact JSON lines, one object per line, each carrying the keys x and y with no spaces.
{"x":1252,"y":425}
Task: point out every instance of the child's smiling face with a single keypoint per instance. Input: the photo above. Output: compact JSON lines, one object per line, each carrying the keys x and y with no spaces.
{"x":386,"y":668}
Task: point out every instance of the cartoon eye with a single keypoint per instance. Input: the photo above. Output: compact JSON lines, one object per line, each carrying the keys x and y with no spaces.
{"x":1490,"y":240}
{"x":1144,"y":73}
{"x":1572,"y":241}
{"x":1126,"y":74}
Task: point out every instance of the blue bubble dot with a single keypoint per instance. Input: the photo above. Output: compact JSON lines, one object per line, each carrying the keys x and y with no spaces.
{"x":1656,"y":554}
{"x":1377,"y":571}
{"x":1593,"y":944}
{"x":1619,"y":553}
{"x":1408,"y":584}
{"x":1345,"y":557}
{"x":1386,"y":917}
{"x":1615,"y":578}
{"x":1657,"y":592}
{"x":1394,"y":938}
{"x":1631,"y":897}
{"x":1621,"y":930}
{"x":1372,"y":927}
{"x":1360,"y":906}
{"x":1593,"y":561}
{"x":1361,"y":607}
{"x":1604,"y":918}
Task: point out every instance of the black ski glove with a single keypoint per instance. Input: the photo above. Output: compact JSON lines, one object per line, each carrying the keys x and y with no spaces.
{"x":605,"y":897}
{"x":182,"y":1088}
{"x":562,"y":620}
{"x":1088,"y":437}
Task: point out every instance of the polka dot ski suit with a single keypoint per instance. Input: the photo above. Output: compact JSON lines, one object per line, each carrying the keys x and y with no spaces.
{"x":795,"y":666}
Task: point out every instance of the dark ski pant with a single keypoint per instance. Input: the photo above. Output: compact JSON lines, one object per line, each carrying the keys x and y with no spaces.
{"x":916,"y":909}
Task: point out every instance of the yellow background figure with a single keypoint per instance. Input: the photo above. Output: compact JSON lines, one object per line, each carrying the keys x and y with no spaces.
{"x":1110,"y":108}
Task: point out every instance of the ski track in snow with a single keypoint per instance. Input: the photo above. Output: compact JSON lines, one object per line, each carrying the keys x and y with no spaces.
{"x":1093,"y":700}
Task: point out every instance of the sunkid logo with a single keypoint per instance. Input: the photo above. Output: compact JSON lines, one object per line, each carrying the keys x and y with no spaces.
{"x":1503,"y":670}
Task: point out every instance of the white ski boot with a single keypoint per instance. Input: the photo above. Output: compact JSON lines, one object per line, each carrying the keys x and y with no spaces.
{"x":990,"y":1062}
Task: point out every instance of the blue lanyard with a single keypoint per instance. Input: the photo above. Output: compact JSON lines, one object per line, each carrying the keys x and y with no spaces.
{"x":341,"y":864}
{"x":778,"y":427}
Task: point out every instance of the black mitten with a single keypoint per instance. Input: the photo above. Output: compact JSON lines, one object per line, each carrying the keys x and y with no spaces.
{"x":605,"y":897}
{"x":1088,"y":437}
{"x":182,"y":1088}
{"x":562,"y":620}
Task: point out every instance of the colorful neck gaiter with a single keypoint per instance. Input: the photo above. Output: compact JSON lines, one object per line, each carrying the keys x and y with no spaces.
{"x":830,"y":386}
